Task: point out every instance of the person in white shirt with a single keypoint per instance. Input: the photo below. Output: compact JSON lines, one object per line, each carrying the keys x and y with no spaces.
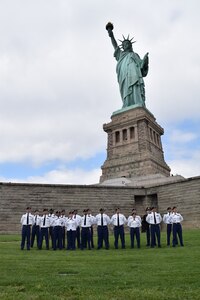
{"x":57,"y":231}
{"x":102,"y":221}
{"x":51,"y":216}
{"x":154,"y":219}
{"x":86,"y":223}
{"x":45,"y":222}
{"x":91,"y":228}
{"x":146,"y":226}
{"x":27,"y":221}
{"x":134,"y":222}
{"x":168,"y":222}
{"x":176,"y":219}
{"x":71,"y":225}
{"x":62,"y":215}
{"x":35,"y":229}
{"x":118,"y":220}
{"x":78,"y":232}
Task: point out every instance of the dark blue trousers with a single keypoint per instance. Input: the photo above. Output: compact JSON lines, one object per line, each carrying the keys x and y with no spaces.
{"x":26,"y":236}
{"x":35,"y":233}
{"x":135,"y":232}
{"x":155,"y":234}
{"x":119,"y":232}
{"x":78,"y":237}
{"x":71,"y":239}
{"x":63,"y":236}
{"x":148,"y":236}
{"x":85,"y":238}
{"x":169,"y":231}
{"x":92,"y":236}
{"x":177,"y":231}
{"x":57,"y":237}
{"x":51,"y":235}
{"x":102,"y":233}
{"x":44,"y":233}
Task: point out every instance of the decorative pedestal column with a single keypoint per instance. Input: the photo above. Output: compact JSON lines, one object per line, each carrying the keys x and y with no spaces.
{"x":134,"y":145}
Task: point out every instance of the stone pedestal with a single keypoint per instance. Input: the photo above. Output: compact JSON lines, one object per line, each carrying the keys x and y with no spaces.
{"x":134,"y":146}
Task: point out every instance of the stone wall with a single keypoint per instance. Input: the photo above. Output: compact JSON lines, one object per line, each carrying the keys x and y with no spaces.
{"x":14,"y":198}
{"x":185,"y":195}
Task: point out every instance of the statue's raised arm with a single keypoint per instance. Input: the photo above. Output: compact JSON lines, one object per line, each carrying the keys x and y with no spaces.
{"x":109,"y":28}
{"x":130,"y":70}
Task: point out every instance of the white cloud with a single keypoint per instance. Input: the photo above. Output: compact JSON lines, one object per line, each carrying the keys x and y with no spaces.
{"x":61,"y":176}
{"x":57,"y":72}
{"x":178,"y":136}
{"x":185,"y":167}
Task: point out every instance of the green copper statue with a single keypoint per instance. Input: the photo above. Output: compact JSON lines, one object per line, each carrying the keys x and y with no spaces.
{"x":130,"y":70}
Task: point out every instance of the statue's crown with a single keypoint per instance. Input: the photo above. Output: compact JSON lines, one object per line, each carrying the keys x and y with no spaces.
{"x":127,"y":39}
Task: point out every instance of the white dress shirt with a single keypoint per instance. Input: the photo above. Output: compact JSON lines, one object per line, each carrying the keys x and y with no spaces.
{"x":89,"y":221}
{"x":36,"y":220}
{"x":150,"y":218}
{"x":176,"y":218}
{"x":167,"y":219}
{"x":47,"y":221}
{"x":57,"y":221}
{"x":51,"y":216}
{"x":24,"y":219}
{"x":106,"y":219}
{"x":134,"y":221}
{"x":70,"y":224}
{"x":78,"y":219}
{"x":122,"y":219}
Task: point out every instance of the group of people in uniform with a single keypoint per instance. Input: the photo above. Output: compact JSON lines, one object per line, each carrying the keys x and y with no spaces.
{"x":76,"y":231}
{"x":151,"y":225}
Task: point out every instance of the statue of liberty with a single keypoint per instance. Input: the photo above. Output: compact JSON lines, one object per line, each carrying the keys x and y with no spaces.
{"x":130,"y":70}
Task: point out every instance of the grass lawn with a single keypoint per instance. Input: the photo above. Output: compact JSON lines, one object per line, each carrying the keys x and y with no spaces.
{"x":151,"y":274}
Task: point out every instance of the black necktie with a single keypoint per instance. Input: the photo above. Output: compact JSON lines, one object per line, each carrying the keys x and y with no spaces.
{"x":85,"y":220}
{"x":27,"y":220}
{"x":44,"y":220}
{"x":117,"y":219}
{"x":35,"y":220}
{"x":154,"y":218}
{"x":101,"y":219}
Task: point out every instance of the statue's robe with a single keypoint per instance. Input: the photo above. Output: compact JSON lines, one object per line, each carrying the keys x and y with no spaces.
{"x":130,"y":71}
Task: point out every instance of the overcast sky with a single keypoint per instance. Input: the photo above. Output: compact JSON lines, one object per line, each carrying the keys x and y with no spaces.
{"x":58,"y":84}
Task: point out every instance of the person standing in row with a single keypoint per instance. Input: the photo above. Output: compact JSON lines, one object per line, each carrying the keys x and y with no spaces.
{"x":63,"y":217}
{"x":86,"y":223}
{"x":168,"y":222}
{"x":77,"y":218}
{"x":57,"y":231}
{"x":36,"y":229}
{"x":102,"y":221}
{"x":134,"y":222}
{"x":45,"y":222}
{"x":146,"y":226}
{"x":154,"y":219}
{"x":176,"y":219}
{"x":51,"y":216}
{"x":27,"y":220}
{"x":91,"y":228}
{"x":71,"y":226}
{"x":118,"y":220}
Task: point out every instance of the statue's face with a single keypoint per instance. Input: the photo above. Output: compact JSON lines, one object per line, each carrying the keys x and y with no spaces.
{"x":126,"y":45}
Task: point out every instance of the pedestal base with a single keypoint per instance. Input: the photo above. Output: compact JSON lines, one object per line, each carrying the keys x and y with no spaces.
{"x":134,"y":145}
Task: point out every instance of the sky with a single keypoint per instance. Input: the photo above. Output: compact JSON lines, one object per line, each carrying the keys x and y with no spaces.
{"x":58,"y":84}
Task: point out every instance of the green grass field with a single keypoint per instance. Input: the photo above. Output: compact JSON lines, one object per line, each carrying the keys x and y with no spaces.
{"x":166,"y":273}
